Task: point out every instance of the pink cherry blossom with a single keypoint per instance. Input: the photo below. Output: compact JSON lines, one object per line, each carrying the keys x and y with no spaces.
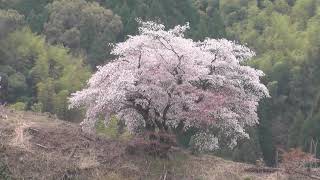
{"x":161,"y":80}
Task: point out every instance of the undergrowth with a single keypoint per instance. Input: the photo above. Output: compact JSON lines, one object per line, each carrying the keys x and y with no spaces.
{"x":113,"y":130}
{"x":4,"y":172}
{"x":171,"y":168}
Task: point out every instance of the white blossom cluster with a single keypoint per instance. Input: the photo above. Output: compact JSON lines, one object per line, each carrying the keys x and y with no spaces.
{"x":203,"y":142}
{"x":162,"y":80}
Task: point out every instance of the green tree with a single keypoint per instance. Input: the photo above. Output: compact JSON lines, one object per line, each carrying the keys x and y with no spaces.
{"x":33,"y":10}
{"x":10,"y":20}
{"x":83,"y":27}
{"x":168,"y":12}
{"x":280,"y":31}
{"x":40,"y":74}
{"x":211,"y":23}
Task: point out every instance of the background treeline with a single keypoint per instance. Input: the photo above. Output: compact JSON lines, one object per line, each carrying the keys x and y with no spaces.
{"x":49,"y":48}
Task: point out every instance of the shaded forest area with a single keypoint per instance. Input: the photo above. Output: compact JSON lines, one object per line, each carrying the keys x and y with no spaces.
{"x":48,"y":49}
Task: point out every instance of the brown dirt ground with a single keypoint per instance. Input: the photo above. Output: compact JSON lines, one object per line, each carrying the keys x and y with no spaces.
{"x":37,"y":146}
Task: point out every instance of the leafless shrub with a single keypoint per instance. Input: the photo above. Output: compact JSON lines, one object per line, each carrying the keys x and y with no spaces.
{"x":88,"y":161}
{"x":21,"y":138}
{"x":3,"y":114}
{"x":297,"y":162}
{"x":296,"y":159}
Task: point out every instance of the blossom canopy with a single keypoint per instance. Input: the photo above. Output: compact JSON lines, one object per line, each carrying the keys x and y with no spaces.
{"x":161,"y":80}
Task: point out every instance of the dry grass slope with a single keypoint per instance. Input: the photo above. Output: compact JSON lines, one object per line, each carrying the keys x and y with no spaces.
{"x":37,"y":146}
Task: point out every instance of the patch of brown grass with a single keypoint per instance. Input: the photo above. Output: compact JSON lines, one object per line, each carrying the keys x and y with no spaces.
{"x":36,"y":146}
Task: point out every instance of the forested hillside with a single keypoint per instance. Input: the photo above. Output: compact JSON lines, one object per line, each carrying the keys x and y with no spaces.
{"x":49,"y":49}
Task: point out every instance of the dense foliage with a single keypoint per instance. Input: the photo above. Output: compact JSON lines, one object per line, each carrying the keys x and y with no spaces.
{"x":36,"y":75}
{"x":283,"y":33}
{"x":82,"y":26}
{"x":202,"y":15}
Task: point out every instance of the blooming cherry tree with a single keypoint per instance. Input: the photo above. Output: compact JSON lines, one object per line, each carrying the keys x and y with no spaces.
{"x":160,"y":81}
